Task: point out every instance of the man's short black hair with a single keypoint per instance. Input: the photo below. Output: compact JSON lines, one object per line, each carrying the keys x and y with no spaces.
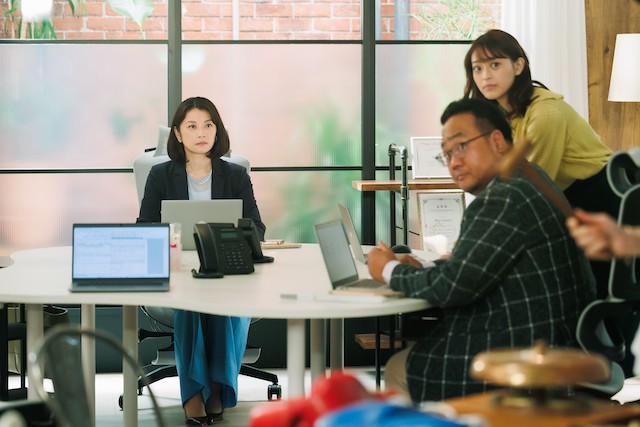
{"x":488,"y":115}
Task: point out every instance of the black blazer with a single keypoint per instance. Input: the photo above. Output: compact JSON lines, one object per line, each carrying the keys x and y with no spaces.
{"x":168,"y":181}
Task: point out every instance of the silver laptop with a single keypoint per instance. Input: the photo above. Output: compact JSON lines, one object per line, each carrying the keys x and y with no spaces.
{"x":120,"y":257}
{"x":350,"y":229}
{"x":340,"y":265}
{"x":190,"y":212}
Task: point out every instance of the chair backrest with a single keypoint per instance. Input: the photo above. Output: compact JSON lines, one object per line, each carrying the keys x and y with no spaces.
{"x":59,"y":354}
{"x":623,"y":170}
{"x":153,"y":156}
{"x":597,"y":329}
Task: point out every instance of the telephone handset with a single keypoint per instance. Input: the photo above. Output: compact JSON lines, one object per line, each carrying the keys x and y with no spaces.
{"x":222,"y":249}
{"x":250,"y":232}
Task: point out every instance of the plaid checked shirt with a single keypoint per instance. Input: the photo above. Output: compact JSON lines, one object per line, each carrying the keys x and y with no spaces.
{"x":514,"y":276}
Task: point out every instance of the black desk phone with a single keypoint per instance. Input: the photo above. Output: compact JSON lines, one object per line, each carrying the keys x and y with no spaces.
{"x":222,"y":249}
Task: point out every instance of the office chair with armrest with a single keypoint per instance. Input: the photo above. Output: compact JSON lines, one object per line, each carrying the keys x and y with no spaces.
{"x":59,"y":353}
{"x":598,"y":327}
{"x":162,"y":318}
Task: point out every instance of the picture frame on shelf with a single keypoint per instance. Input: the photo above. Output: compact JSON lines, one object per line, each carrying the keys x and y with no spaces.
{"x":440,"y":213}
{"x":424,"y":150}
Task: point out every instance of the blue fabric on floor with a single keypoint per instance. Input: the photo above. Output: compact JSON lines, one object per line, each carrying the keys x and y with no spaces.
{"x":379,"y":414}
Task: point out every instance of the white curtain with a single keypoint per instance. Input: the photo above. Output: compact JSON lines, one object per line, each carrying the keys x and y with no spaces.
{"x":553,"y":34}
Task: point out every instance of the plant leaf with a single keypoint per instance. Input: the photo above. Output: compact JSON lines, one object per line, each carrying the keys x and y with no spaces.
{"x":73,"y":4}
{"x":136,"y":10}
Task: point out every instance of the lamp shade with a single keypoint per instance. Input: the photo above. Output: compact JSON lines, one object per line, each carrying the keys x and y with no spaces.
{"x":625,"y":78}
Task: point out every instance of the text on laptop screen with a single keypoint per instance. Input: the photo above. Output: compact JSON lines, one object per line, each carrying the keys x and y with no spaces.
{"x":120,"y":252}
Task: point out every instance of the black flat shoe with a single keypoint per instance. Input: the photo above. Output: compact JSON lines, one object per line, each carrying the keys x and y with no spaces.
{"x":214,"y":418}
{"x":197,"y":421}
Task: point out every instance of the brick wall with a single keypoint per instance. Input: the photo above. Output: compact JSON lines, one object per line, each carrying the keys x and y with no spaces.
{"x":213,"y":20}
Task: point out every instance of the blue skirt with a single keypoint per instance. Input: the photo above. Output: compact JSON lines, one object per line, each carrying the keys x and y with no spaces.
{"x":208,"y":349}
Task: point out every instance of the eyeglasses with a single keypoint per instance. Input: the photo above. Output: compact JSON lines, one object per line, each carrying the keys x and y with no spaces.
{"x":459,"y":150}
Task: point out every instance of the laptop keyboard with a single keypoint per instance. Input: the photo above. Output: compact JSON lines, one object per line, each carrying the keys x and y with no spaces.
{"x":366,"y":283}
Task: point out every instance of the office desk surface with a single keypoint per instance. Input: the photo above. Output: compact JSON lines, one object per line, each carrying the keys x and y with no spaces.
{"x":44,"y":275}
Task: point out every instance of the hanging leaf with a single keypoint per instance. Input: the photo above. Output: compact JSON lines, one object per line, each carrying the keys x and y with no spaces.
{"x":73,"y":4}
{"x":136,"y":10}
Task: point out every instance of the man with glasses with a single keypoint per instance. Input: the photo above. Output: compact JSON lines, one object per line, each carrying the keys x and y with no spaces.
{"x":515,"y":275}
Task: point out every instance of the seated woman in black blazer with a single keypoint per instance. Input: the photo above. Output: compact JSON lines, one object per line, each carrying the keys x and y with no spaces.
{"x":208,"y":348}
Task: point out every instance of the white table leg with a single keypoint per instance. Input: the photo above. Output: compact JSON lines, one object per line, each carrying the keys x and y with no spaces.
{"x":336,"y":359}
{"x":35,"y":330}
{"x":88,"y":321}
{"x":130,"y":378}
{"x":296,"y":356}
{"x":317,"y":354}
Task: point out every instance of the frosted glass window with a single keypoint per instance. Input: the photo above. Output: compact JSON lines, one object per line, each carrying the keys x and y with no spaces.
{"x":283,"y":105}
{"x":38,"y":210}
{"x":292,"y":202}
{"x":80,"y":105}
{"x":414,"y":84}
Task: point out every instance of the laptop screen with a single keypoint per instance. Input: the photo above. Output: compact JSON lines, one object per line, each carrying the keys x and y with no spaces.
{"x":336,"y":253}
{"x":120,"y":251}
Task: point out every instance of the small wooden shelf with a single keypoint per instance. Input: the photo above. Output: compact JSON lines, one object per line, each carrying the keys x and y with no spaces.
{"x":394,"y":185}
{"x":368,"y":341}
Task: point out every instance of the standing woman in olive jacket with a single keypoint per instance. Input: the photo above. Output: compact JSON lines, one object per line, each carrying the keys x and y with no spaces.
{"x":563,"y":144}
{"x":208,"y":348}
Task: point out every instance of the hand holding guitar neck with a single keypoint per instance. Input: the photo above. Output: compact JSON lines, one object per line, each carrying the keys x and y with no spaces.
{"x":515,"y":159}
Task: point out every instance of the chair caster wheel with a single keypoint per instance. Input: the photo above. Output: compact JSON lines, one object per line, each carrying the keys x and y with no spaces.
{"x":274,"y":390}
{"x":121,"y":398}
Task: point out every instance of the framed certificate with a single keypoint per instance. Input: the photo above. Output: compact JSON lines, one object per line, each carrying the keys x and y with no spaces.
{"x":440,"y":217}
{"x":424,"y":150}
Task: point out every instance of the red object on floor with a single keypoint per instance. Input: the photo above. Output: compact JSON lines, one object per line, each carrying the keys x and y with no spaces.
{"x":330,"y":393}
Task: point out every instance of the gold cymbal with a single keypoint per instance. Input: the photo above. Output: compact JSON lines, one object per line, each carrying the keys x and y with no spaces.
{"x":539,"y":366}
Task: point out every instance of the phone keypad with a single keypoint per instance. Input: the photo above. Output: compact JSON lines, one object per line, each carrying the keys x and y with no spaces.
{"x":235,"y":255}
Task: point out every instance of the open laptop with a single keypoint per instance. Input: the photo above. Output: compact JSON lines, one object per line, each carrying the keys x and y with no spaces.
{"x":340,"y":265}
{"x":120,"y":257}
{"x":350,"y":229}
{"x":190,"y":212}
